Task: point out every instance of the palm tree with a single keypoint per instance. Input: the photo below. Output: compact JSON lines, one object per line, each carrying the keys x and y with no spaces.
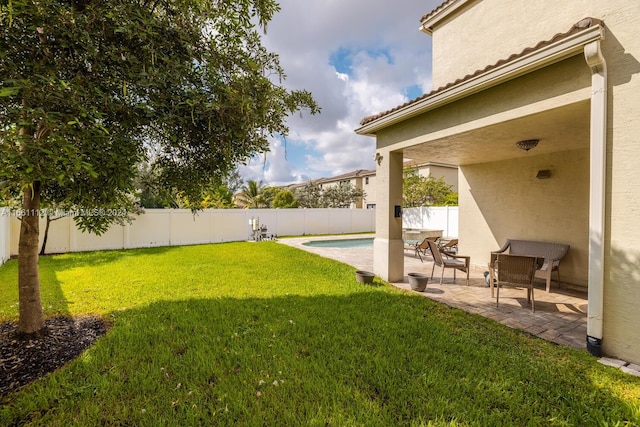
{"x":251,"y":196}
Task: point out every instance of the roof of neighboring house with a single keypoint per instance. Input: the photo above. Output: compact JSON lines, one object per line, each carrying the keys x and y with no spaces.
{"x":576,"y":28}
{"x":359,"y":173}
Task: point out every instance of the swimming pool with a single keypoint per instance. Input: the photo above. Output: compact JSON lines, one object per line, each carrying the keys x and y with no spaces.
{"x":341,"y":243}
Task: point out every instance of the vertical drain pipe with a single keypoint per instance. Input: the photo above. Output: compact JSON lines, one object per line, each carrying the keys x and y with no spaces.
{"x":598,"y":169}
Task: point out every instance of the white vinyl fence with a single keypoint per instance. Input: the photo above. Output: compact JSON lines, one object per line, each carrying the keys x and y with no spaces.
{"x":5,"y":238}
{"x":174,"y":227}
{"x":443,"y":218}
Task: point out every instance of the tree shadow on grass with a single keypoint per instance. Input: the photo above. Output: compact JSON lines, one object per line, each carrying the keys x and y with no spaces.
{"x":371,"y":357}
{"x":54,"y":301}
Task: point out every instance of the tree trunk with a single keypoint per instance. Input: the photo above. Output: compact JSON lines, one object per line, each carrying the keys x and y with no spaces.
{"x":31,"y":319}
{"x":46,"y":236}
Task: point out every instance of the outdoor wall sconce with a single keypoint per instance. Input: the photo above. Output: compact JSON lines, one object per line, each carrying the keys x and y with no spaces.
{"x":544,"y":174}
{"x":377,"y":158}
{"x":527,"y":144}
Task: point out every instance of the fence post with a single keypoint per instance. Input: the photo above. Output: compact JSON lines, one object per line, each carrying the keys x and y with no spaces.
{"x":448,"y":221}
{"x":4,"y":235}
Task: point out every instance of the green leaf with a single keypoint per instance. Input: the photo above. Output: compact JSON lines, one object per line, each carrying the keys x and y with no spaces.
{"x":9,"y":91}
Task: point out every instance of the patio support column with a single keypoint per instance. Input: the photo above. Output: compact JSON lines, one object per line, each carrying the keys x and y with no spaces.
{"x":598,"y":169}
{"x":388,"y":251}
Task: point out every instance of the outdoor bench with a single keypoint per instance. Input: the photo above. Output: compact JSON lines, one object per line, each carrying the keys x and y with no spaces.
{"x":551,"y":252}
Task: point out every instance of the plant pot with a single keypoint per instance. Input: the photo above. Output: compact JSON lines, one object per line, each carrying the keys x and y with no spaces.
{"x":418,"y":281}
{"x":364,"y":276}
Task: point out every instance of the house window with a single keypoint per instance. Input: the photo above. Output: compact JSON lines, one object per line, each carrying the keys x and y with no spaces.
{"x":371,"y":205}
{"x":345,"y":182}
{"x":366,"y":180}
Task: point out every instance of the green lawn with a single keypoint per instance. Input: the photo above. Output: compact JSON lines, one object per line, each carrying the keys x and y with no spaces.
{"x":264,"y":334}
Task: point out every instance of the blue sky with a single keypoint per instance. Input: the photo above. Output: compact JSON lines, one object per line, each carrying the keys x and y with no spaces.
{"x":358,"y":58}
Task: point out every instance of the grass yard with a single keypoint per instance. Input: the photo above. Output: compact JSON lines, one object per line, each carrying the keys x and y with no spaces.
{"x":265,"y":334}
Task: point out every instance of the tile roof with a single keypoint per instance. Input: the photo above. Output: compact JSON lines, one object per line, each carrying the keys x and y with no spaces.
{"x":436,"y":10}
{"x":353,"y":174}
{"x":576,"y":28}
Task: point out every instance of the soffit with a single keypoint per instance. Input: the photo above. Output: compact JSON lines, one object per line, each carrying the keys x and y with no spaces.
{"x":560,"y":129}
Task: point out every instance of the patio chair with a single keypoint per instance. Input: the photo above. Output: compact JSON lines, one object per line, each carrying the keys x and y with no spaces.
{"x":421,"y":248}
{"x":451,"y":247}
{"x":456,"y":262}
{"x":516,"y":271}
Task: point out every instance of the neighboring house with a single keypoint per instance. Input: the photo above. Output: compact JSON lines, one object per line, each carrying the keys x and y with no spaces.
{"x":366,"y":180}
{"x":564,"y":74}
{"x":449,"y":173}
{"x":358,"y":179}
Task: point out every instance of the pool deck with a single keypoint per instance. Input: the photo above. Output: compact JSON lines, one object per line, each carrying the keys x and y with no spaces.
{"x":560,"y":316}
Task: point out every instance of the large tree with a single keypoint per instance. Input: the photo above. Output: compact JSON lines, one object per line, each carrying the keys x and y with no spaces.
{"x":419,"y":190}
{"x":284,"y":199}
{"x":312,"y":195}
{"x":92,"y":87}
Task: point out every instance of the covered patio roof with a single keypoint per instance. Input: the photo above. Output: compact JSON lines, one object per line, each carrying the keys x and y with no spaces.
{"x":558,"y":129}
{"x":561,"y":125}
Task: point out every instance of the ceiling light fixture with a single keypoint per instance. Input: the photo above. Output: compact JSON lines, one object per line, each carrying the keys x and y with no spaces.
{"x":527,"y":144}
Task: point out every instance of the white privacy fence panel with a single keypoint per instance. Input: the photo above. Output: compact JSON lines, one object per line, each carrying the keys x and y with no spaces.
{"x":5,"y":248}
{"x":443,"y":218}
{"x":174,"y":227}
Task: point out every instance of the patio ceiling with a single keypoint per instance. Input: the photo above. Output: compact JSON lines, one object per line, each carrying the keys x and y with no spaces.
{"x":559,"y":129}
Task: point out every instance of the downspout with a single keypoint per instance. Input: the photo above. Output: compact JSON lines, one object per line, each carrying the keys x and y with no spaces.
{"x":598,"y":169}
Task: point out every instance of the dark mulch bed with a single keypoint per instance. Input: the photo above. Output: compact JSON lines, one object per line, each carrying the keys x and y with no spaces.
{"x":25,"y":360}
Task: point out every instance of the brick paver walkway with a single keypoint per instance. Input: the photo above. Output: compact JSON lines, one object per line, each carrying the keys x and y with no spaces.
{"x":560,"y":317}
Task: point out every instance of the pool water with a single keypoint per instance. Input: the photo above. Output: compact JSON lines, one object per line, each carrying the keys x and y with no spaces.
{"x":341,"y":243}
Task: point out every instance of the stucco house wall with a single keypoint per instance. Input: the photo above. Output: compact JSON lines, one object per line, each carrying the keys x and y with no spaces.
{"x":621,"y":48}
{"x":487,"y":31}
{"x":369,"y":188}
{"x":447,"y":173}
{"x":554,"y":209}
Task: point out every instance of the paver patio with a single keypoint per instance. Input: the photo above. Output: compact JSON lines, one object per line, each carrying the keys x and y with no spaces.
{"x":560,"y":316}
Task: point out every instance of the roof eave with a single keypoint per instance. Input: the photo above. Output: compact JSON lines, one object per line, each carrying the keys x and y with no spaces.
{"x":427,"y":24}
{"x":555,"y":52}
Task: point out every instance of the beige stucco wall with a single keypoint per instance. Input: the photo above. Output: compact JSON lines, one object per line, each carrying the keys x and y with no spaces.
{"x":489,"y":30}
{"x":448,"y":174}
{"x":622,"y":244}
{"x":369,"y":190}
{"x":501,"y":200}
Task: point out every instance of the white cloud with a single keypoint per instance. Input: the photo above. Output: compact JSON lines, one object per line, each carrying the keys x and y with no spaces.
{"x":387,"y":54}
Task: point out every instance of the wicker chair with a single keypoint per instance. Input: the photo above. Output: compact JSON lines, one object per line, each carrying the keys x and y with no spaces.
{"x":421,"y":248}
{"x":515,"y":271}
{"x":551,"y":252}
{"x":450,"y":248}
{"x":457,"y":262}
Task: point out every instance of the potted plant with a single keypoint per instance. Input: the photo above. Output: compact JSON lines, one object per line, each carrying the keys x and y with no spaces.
{"x":364,"y":276}
{"x":418,"y":281}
